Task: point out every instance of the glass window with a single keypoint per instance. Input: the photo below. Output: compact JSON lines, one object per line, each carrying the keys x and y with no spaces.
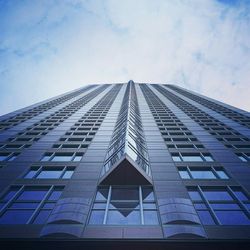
{"x":9,"y":194}
{"x":125,"y":194}
{"x":42,"y":217}
{"x":194,"y":195}
{"x":97,"y":217}
{"x":192,"y":158}
{"x":68,"y":174}
{"x":184,"y":174}
{"x":150,"y":217}
{"x":49,"y":174}
{"x":123,"y":206}
{"x":62,"y":158}
{"x":46,"y":157}
{"x":222,"y":174}
{"x":36,"y":195}
{"x":55,"y":195}
{"x":77,"y":158}
{"x":16,"y":216}
{"x":205,"y":217}
{"x":240,"y":195}
{"x":123,"y":217}
{"x":3,"y":156}
{"x":208,"y":158}
{"x":31,"y":174}
{"x":217,"y":195}
{"x":202,"y":174}
{"x":232,"y":218}
{"x":176,"y":158}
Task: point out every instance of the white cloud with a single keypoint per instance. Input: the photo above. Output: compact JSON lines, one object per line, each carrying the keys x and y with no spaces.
{"x":56,"y":47}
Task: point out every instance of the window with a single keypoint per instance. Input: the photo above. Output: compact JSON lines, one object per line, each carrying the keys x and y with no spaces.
{"x":121,"y":205}
{"x":62,"y":157}
{"x":202,"y":173}
{"x":50,"y":172}
{"x":195,"y":157}
{"x":8,"y":156}
{"x":28,"y":204}
{"x":221,"y":205}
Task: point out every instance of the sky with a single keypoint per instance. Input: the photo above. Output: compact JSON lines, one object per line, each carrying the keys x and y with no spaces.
{"x":48,"y":47}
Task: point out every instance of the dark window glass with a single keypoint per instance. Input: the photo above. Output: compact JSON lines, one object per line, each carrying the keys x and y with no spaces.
{"x":55,"y":195}
{"x":125,"y":194}
{"x":35,"y":195}
{"x":206,"y":217}
{"x":232,"y":218}
{"x":16,"y":216}
{"x":25,"y":205}
{"x":9,"y":195}
{"x":30,"y":174}
{"x":42,"y":217}
{"x":217,"y":195}
{"x":195,"y":195}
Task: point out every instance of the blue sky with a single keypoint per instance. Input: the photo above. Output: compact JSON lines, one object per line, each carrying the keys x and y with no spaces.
{"x":50,"y":47}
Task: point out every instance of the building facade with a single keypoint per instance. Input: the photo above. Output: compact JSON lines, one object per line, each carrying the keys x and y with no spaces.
{"x":131,"y":165}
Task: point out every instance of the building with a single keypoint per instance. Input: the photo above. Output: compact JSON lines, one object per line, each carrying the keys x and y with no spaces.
{"x":137,"y":166}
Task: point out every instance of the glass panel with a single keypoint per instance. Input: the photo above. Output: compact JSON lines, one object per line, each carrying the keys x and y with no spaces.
{"x":8,"y":195}
{"x":224,"y":206}
{"x":68,"y":174}
{"x":176,"y":158}
{"x":184,"y":174}
{"x":16,"y":216}
{"x":191,"y":158}
{"x":149,"y":206}
{"x":240,"y":195}
{"x":232,"y":218}
{"x":55,"y":195}
{"x":222,"y":174}
{"x":200,"y":206}
{"x":99,"y":206}
{"x":46,"y":158}
{"x":125,"y":194}
{"x":199,"y":174}
{"x":217,"y":195}
{"x":49,"y":205}
{"x":24,"y":205}
{"x":30,"y":174}
{"x":150,"y":218}
{"x":208,"y":158}
{"x":62,"y":158}
{"x":77,"y":158}
{"x":3,"y":157}
{"x":35,"y":195}
{"x":194,"y":195}
{"x":49,"y":174}
{"x":97,"y":217}
{"x":42,"y":217}
{"x":205,"y":217}
{"x":102,"y":194}
{"x":123,"y":217}
{"x":147,"y":194}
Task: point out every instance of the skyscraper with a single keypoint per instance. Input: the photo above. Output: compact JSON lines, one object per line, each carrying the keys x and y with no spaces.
{"x":139,"y":166}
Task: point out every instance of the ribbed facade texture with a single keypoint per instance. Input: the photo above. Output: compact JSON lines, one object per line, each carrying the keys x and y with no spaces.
{"x":125,"y":166}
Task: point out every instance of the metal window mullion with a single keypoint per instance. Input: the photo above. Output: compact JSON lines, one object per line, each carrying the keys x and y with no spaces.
{"x":141,"y":205}
{"x":209,"y":206}
{"x":31,"y":219}
{"x":107,"y":206}
{"x":189,"y":172}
